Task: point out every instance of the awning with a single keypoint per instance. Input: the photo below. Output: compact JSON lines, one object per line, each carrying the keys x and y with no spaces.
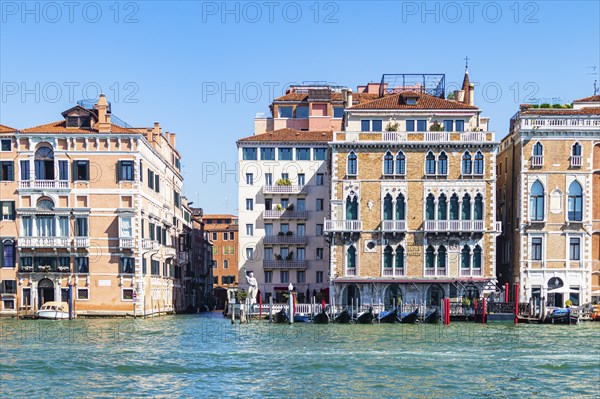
{"x":563,"y":290}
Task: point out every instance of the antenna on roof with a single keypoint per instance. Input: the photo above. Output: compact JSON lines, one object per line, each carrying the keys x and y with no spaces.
{"x":595,"y":87}
{"x":467,"y":64}
{"x":595,"y":73}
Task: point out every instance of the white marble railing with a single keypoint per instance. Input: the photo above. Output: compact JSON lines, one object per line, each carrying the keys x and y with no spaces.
{"x":393,"y":225}
{"x":343,"y":225}
{"x":39,"y":242}
{"x":277,"y":189}
{"x":454,"y":225}
{"x":43,"y":184}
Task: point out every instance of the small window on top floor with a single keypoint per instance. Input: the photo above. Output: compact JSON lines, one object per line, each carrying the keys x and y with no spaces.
{"x":365,"y":125}
{"x":421,"y":125}
{"x":411,"y":101}
{"x":410,"y":125}
{"x":303,"y":154}
{"x":249,"y":154}
{"x":285,"y":154}
{"x":460,"y":125}
{"x":377,"y":125}
{"x":5,"y":145}
{"x":302,"y":112}
{"x":320,"y":154}
{"x":338,"y":112}
{"x":449,"y":125}
{"x":72,"y":121}
{"x":286,"y":112}
{"x":267,"y":154}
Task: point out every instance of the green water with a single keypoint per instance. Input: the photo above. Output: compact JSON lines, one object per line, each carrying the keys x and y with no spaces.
{"x":193,"y":356}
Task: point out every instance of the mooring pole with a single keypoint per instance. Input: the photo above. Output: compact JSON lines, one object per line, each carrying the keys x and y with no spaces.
{"x":516,"y":303}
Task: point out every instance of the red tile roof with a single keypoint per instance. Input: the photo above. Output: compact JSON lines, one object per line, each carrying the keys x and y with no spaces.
{"x":424,"y":101}
{"x":562,"y":111}
{"x":286,"y":135}
{"x":6,"y":129}
{"x":219,"y":216}
{"x":588,"y":99}
{"x":60,"y":127}
{"x":220,"y":227}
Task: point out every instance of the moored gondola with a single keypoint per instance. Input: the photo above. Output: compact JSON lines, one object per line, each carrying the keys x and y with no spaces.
{"x":410,"y":318}
{"x":300,"y":318}
{"x":343,"y":317}
{"x":432,"y":317}
{"x":561,"y":316}
{"x":282,"y":317}
{"x":365,"y":317}
{"x":321,"y":318}
{"x":388,"y":316}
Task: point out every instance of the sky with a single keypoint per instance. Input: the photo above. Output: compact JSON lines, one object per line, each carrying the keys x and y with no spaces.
{"x":204,"y":69}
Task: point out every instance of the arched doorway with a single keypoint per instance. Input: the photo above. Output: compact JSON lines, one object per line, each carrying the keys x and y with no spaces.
{"x":351,"y":295}
{"x":555,"y":298}
{"x":435,"y":293}
{"x":45,"y":291}
{"x":392,"y":295}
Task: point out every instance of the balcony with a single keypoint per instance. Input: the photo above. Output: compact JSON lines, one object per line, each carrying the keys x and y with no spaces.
{"x":45,"y":269}
{"x":149,"y":244}
{"x":81,"y":242}
{"x":394,"y":136}
{"x":286,"y":214}
{"x":537,"y":161}
{"x":126,"y":242}
{"x":473,"y":136}
{"x":576,"y":161}
{"x":470,"y":272}
{"x":44,"y":184}
{"x":435,"y":272}
{"x":285,"y":239}
{"x":554,"y":123}
{"x":351,"y":271}
{"x":343,"y":226}
{"x":390,"y":272}
{"x":43,"y":242}
{"x":393,"y":226}
{"x":436,"y":136}
{"x":281,"y":189}
{"x":454,"y":226}
{"x":169,"y":251}
{"x":285,"y":264}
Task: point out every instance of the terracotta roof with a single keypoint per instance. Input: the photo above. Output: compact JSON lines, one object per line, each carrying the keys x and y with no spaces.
{"x":6,"y":129}
{"x":291,"y":135}
{"x":562,"y":111}
{"x":220,"y":227}
{"x":588,"y":99}
{"x":60,"y":127}
{"x":424,"y":101}
{"x":219,"y":216}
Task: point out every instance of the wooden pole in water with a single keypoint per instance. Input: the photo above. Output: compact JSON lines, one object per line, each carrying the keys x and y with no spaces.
{"x":474,"y":308}
{"x":270,"y":309}
{"x":516,"y":303}
{"x":506,"y":292}
{"x":483,"y":311}
{"x":260,"y":306}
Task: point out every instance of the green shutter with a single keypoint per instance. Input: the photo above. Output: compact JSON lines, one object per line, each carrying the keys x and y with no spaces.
{"x":118,"y":170}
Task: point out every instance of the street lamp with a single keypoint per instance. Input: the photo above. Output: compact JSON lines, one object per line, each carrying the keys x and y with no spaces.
{"x":291,"y":303}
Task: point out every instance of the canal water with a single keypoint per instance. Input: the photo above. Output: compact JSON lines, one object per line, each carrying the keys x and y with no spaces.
{"x":207,"y":357}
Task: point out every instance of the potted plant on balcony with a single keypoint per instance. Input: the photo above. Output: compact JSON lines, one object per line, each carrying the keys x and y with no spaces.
{"x":392,"y":127}
{"x":289,"y":233}
{"x":45,"y":268}
{"x":436,"y":127}
{"x":63,"y":268}
{"x":26,"y":268}
{"x":290,"y":256}
{"x":281,"y":233}
{"x":290,"y":207}
{"x":283,"y":182}
{"x":278,"y":207}
{"x":277,"y":257}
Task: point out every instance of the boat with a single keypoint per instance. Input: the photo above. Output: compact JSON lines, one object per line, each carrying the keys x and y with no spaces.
{"x":410,"y":318}
{"x":281,"y":317}
{"x":388,"y":316}
{"x":432,"y":317}
{"x":300,"y":318}
{"x":321,"y":318}
{"x":343,"y":317}
{"x":365,"y":317}
{"x":561,"y":316}
{"x":54,"y":310}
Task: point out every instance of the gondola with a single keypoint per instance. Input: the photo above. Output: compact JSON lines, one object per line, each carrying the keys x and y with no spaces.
{"x":282,"y":317}
{"x":388,"y":316}
{"x":561,"y":316}
{"x":365,"y":317}
{"x":432,"y":317}
{"x":410,"y":318}
{"x":300,"y":318}
{"x":321,"y":318}
{"x":343,"y":317}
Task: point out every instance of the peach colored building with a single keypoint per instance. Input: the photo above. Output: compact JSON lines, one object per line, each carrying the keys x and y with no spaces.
{"x":93,"y":204}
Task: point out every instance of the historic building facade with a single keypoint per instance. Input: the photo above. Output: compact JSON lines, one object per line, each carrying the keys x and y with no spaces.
{"x":222,"y":230}
{"x":549,"y":203}
{"x":94,"y":205}
{"x":412,"y":196}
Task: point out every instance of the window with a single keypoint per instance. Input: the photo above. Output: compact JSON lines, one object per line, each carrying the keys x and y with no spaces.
{"x":268,"y":229}
{"x":269,"y":179}
{"x":320,"y":179}
{"x":536,"y":248}
{"x":576,"y":150}
{"x":430,"y":164}
{"x":7,"y":172}
{"x":268,"y":277}
{"x":443,"y":164}
{"x":460,"y":125}
{"x":575,"y":202}
{"x":536,"y":202}
{"x":449,"y":125}
{"x":81,"y":170}
{"x":7,"y":210}
{"x":301,"y":254}
{"x":249,"y":179}
{"x":44,"y":164}
{"x":441,"y":257}
{"x":421,"y":125}
{"x":388,"y":257}
{"x":466,"y":164}
{"x":154,"y":268}
{"x":141,"y":170}
{"x":157,"y":183}
{"x":176,"y":201}
{"x":150,"y":179}
{"x":388,"y":164}
{"x":538,"y":149}
{"x":126,"y":228}
{"x":352,"y":163}
{"x":477,"y":257}
{"x":338,"y":112}
{"x":8,"y":253}
{"x":284,"y":276}
{"x":249,"y":205}
{"x":301,"y":204}
{"x":83,"y":294}
{"x":25,"y":174}
{"x":319,"y":204}
{"x":478,"y":163}
{"x":285,"y":154}
{"x":319,"y":253}
{"x":225,"y":236}
{"x":410,"y":125}
{"x":267,"y":154}
{"x":225,"y":264}
{"x":127,"y":294}
{"x":81,"y":227}
{"x":319,"y":229}
{"x":301,"y":179}
{"x":351,"y":208}
{"x":249,"y":154}
{"x":430,"y":257}
{"x":6,"y":145}
{"x":82,"y":264}
{"x":377,"y":125}
{"x":249,"y":253}
{"x":214,"y":236}
{"x":442,"y":208}
{"x":465,"y":257}
{"x":400,"y":207}
{"x":478,"y":208}
{"x":574,"y":248}
{"x":320,"y":154}
{"x":302,"y":112}
{"x":63,"y":170}
{"x":249,"y":230}
{"x":466,"y":207}
{"x":319,"y":277}
{"x":302,"y":154}
{"x":430,"y":207}
{"x":125,"y":171}
{"x":27,"y":223}
{"x":231,"y":235}
{"x":285,"y":112}
{"x":387,"y":207}
{"x":300,"y":276}
{"x":127,"y":265}
{"x":351,"y":258}
{"x":365,"y":125}
{"x":400,"y":164}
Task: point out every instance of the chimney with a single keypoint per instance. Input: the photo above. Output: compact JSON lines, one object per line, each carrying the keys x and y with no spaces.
{"x":459,"y":95}
{"x":172,"y":140}
{"x":349,"y":98}
{"x":103,"y":115}
{"x":471,"y":94}
{"x":155,"y":131}
{"x":168,"y":136}
{"x":345,"y":97}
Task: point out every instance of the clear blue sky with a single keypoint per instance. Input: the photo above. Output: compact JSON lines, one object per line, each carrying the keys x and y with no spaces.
{"x":171,"y":61}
